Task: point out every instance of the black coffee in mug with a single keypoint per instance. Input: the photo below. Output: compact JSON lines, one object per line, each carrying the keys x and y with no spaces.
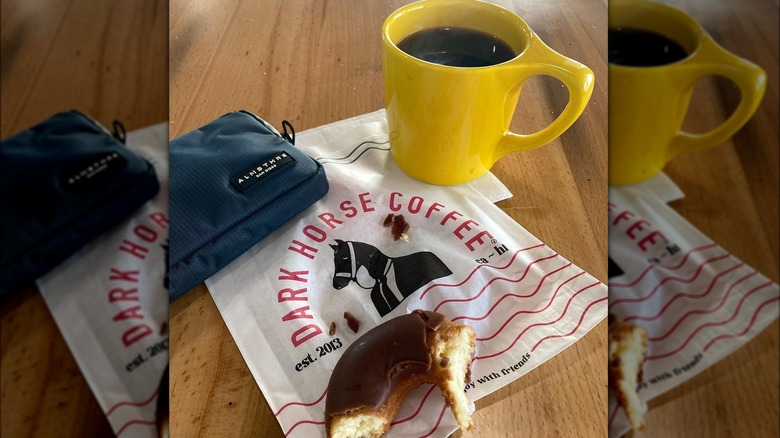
{"x":642,"y":48}
{"x":458,"y":47}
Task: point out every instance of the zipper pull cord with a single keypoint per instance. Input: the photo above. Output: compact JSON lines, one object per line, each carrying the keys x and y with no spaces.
{"x":288,"y":131}
{"x":120,"y":133}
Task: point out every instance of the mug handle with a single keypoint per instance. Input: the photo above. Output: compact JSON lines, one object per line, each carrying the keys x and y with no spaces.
{"x":751,"y":81}
{"x":539,"y":59}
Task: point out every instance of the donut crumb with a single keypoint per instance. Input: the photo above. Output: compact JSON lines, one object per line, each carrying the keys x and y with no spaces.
{"x":352,"y":322}
{"x":398,"y":226}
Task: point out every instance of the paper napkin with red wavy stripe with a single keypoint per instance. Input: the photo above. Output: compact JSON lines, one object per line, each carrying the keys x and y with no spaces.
{"x":697,"y":301}
{"x":462,"y":257}
{"x":110,"y":301}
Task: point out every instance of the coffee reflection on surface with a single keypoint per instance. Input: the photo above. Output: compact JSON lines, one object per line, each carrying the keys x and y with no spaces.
{"x":642,"y":48}
{"x":458,"y":47}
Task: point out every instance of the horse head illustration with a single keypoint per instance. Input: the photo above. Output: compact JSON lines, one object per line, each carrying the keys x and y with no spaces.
{"x":391,"y":279}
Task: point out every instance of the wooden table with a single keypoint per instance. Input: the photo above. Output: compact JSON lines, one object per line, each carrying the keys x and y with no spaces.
{"x":319,"y":62}
{"x":301,"y":60}
{"x":732,"y":196}
{"x":109,"y":60}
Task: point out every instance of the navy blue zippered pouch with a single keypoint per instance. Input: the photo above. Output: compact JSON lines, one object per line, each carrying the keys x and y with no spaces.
{"x":63,"y":182}
{"x":232,"y":182}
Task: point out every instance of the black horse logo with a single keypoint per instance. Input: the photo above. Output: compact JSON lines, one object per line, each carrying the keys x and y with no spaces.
{"x":394,"y":278}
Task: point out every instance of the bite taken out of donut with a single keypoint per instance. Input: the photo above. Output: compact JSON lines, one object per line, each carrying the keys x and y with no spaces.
{"x":380,"y":368}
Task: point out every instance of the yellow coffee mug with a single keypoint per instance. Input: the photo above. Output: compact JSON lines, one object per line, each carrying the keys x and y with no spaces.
{"x":447,"y":124}
{"x":647,"y":105}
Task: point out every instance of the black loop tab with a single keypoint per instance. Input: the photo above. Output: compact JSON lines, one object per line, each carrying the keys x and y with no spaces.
{"x":120,"y":133}
{"x":288,"y":131}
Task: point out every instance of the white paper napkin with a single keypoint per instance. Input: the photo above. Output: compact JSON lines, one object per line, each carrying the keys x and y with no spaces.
{"x":525,"y":301}
{"x":111,"y":305}
{"x":698,"y":302}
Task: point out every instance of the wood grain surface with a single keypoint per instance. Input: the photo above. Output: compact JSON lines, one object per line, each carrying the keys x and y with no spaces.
{"x":317,"y":62}
{"x":732,"y":193}
{"x":109,"y":60}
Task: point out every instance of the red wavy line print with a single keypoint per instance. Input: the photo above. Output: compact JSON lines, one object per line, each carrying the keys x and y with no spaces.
{"x":436,"y":426}
{"x":671,"y":268}
{"x":613,"y":415}
{"x":529,"y":311}
{"x":301,"y":403}
{"x":683,"y":294}
{"x":747,"y":329}
{"x":709,"y":324}
{"x":132,"y":422}
{"x":541,"y":323}
{"x":512,"y":260}
{"x":419,"y":408}
{"x":484,"y":288}
{"x":538,"y":287}
{"x":702,"y":312}
{"x":665,"y":279}
{"x":579,"y":323}
{"x":130,"y":403}
{"x":316,"y":423}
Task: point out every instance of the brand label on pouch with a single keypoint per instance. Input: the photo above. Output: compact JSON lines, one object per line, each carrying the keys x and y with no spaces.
{"x":253,"y":175}
{"x":86,"y":174}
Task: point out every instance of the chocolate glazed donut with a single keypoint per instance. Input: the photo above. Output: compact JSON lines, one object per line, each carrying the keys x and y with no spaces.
{"x":376,"y":372}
